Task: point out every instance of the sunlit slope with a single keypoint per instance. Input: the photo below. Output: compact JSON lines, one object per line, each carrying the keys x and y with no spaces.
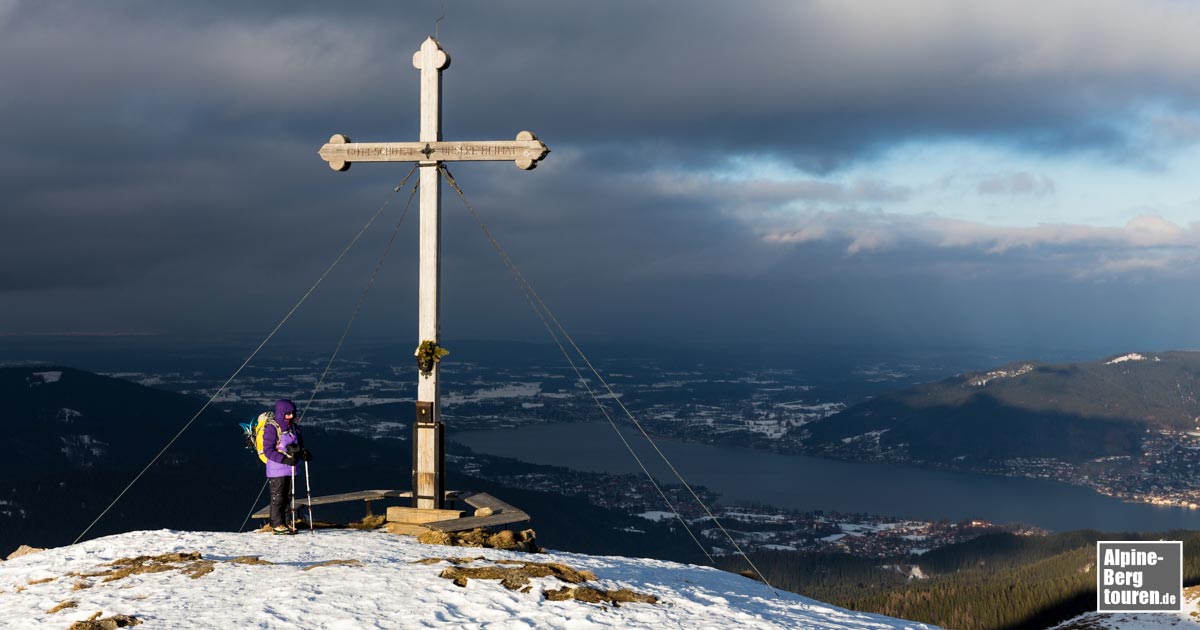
{"x":1072,"y":411}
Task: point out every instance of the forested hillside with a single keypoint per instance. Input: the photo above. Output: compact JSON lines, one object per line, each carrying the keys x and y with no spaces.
{"x":995,"y":582}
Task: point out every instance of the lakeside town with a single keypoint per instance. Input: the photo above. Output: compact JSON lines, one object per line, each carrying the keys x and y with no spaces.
{"x":1166,"y":472}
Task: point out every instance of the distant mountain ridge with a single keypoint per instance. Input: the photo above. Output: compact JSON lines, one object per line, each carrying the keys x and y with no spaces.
{"x":1073,"y":412}
{"x":1161,"y":389}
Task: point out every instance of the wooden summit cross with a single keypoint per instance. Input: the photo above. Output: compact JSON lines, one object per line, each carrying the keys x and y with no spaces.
{"x":429,"y":459}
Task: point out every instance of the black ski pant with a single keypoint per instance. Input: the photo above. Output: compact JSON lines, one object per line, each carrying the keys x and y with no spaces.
{"x":281,"y":496}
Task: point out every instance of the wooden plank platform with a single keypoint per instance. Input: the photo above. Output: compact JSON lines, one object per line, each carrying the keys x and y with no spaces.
{"x":406,"y":529}
{"x":502,"y":514}
{"x":485,"y":500}
{"x":362,"y":495}
{"x":397,"y":514}
{"x":472,"y":522}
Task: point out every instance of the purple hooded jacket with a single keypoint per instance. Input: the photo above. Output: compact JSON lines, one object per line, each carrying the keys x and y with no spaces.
{"x":275,"y":445}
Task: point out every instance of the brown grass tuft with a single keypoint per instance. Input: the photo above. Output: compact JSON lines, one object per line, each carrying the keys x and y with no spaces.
{"x":108,"y":623}
{"x":329,"y":563}
{"x":450,"y":560}
{"x":599,"y":596}
{"x":70,"y":603}
{"x":197,"y":569}
{"x":515,"y":575}
{"x":369,"y":522}
{"x":248,"y":560}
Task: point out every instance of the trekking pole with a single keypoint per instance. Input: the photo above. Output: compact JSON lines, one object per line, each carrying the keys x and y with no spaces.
{"x":308,"y":496}
{"x":293,"y":498}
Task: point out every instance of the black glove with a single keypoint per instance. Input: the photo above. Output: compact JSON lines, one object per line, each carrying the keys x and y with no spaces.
{"x":292,"y":449}
{"x":289,"y":461}
{"x":304,"y":455}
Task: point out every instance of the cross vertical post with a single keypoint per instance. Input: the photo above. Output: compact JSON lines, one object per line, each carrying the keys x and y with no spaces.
{"x":428,"y":447}
{"x":429,"y":455}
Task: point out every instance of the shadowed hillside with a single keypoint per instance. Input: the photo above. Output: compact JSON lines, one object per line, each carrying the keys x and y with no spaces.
{"x":994,"y":582}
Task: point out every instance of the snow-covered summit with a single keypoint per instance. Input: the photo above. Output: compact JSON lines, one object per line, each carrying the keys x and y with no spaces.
{"x":380,"y":583}
{"x":1132,"y":356}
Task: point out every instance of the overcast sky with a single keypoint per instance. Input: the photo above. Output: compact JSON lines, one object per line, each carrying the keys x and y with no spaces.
{"x":919,"y":173}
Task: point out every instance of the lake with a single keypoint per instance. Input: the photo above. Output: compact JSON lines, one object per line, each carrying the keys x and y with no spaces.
{"x":810,"y":483}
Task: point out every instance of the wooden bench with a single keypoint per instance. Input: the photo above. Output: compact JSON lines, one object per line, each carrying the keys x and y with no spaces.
{"x":502,"y":514}
{"x":363,"y":495}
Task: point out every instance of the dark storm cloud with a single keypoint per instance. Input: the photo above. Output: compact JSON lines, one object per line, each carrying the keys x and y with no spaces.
{"x":158,"y":166}
{"x":816,"y":82}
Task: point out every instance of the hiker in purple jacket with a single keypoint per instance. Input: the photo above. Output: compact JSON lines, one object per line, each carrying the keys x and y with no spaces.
{"x":282,"y":447}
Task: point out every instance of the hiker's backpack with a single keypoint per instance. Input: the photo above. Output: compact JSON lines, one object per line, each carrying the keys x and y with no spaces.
{"x":253,"y":432}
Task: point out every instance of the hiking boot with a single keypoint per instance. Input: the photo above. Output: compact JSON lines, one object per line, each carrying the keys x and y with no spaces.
{"x":282,"y":530}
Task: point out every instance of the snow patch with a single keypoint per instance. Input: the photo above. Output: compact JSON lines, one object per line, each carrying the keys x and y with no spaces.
{"x":868,"y":435}
{"x":511,"y":390}
{"x":82,"y":450}
{"x":44,"y":378}
{"x":12,"y":509}
{"x":980,"y":381}
{"x":1133,"y":356}
{"x":866,"y":528}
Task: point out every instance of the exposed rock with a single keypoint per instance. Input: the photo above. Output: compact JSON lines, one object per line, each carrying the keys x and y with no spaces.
{"x":189,"y":564}
{"x":555,"y":569}
{"x":522,"y":541}
{"x":108,"y":623}
{"x":516,"y":577}
{"x":599,"y":596}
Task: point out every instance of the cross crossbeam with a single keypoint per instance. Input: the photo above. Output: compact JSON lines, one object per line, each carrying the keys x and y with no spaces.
{"x":526,"y":151}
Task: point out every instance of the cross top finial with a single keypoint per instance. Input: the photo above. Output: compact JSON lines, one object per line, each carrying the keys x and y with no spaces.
{"x":431,"y":52}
